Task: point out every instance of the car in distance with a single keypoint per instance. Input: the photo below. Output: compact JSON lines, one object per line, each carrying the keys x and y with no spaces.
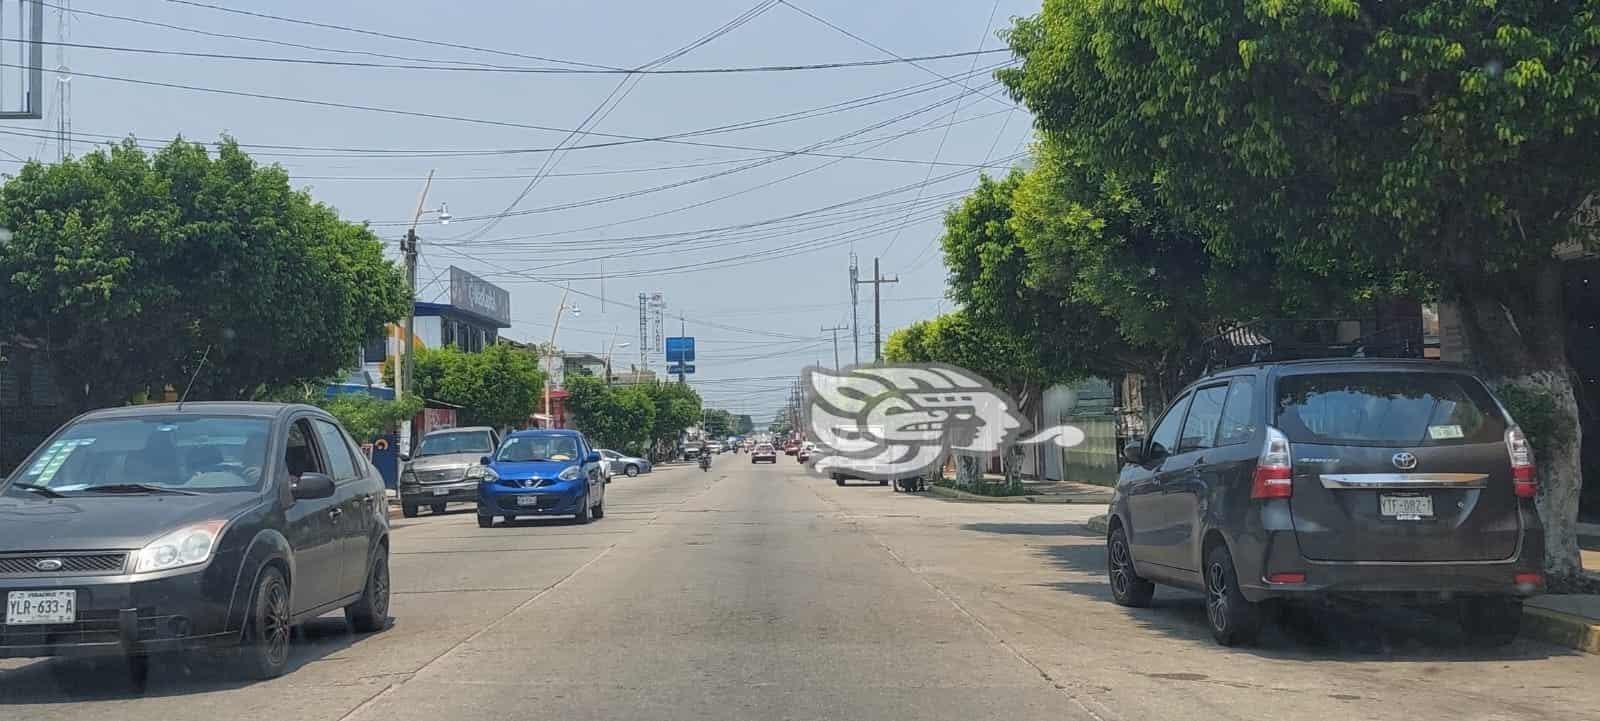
{"x":791,"y":448}
{"x":199,"y":526}
{"x":764,"y":452}
{"x":437,"y":474}
{"x":804,"y":454}
{"x":552,"y":472}
{"x":629,"y":466}
{"x":714,"y":447}
{"x":1296,"y":480}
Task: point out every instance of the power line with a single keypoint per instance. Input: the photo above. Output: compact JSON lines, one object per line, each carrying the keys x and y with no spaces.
{"x":390,"y":36}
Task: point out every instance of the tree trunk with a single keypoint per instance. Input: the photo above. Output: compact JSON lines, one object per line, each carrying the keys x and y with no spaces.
{"x":1516,"y":335}
{"x":969,"y":469}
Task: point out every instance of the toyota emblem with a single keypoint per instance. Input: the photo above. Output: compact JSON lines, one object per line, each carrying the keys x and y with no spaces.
{"x":1404,"y":461}
{"x":48,"y":564}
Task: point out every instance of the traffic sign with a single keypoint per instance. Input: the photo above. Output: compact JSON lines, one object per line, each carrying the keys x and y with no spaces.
{"x":680,"y":349}
{"x":677,"y":368}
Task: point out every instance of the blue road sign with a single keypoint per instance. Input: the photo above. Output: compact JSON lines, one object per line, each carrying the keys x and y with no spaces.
{"x":677,"y":368}
{"x":680,"y":349}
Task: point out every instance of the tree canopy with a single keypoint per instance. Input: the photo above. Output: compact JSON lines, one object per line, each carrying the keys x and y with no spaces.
{"x":500,"y":386}
{"x":126,"y":267}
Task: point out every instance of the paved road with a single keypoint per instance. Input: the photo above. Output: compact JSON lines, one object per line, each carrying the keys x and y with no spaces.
{"x":759,"y":592}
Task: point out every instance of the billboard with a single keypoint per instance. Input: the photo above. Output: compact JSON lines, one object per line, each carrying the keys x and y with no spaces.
{"x":680,"y":350}
{"x":479,"y":297}
{"x":658,"y":320}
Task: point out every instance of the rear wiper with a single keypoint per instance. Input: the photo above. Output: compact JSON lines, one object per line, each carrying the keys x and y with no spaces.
{"x":41,"y":490}
{"x":138,"y":488}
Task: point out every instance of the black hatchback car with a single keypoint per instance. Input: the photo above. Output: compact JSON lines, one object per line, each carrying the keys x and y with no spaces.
{"x":1394,"y":480}
{"x":146,"y":529}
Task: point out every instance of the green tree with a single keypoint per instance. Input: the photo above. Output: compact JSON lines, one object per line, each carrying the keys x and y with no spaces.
{"x":612,"y":416}
{"x":500,"y":386}
{"x":1426,"y":144}
{"x":716,"y":423}
{"x":367,"y":417}
{"x":127,"y":267}
{"x":743,"y":424}
{"x":677,"y":408}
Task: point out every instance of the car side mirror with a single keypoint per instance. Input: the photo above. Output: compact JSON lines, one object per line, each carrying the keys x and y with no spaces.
{"x":1133,"y":450}
{"x":593,"y":457}
{"x":311,"y":486}
{"x":485,"y":460}
{"x":404,"y":457}
{"x":1156,"y":452}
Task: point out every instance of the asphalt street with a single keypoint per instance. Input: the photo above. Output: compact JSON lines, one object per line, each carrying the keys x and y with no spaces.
{"x":761,"y":592}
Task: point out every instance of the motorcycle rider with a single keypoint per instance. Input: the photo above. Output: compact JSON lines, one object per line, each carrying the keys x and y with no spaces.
{"x":705,"y":456}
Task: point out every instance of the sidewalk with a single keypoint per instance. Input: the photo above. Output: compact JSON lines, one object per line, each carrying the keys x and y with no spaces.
{"x":1036,"y":492}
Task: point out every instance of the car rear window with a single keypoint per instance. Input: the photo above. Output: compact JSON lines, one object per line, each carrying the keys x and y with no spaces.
{"x":1387,"y":408}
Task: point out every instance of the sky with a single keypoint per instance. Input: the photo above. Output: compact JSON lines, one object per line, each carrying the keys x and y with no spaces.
{"x":748,"y":240}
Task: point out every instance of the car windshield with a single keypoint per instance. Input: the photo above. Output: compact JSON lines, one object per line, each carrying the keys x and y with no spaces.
{"x":1387,"y":409}
{"x":538,"y":448}
{"x":179,"y":452}
{"x":438,"y":444}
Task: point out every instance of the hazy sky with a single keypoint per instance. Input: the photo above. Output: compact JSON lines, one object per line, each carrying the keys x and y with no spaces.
{"x":750,"y":249}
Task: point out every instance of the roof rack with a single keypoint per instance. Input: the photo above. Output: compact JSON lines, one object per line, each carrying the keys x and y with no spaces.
{"x":1271,"y":340}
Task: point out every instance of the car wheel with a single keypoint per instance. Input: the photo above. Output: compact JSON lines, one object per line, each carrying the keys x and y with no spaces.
{"x":409,"y":510}
{"x":582,"y":516}
{"x":1127,"y":588}
{"x":1491,"y":621}
{"x":1234,"y":619}
{"x":600,"y":509}
{"x":437,"y":508}
{"x":266,"y":645}
{"x":883,"y":482}
{"x":371,"y":612}
{"x":485,"y":521}
{"x":632,"y":471}
{"x":838,"y":480}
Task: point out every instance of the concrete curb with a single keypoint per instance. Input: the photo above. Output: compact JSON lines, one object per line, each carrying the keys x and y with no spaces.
{"x":960,"y":495}
{"x":1558,"y":627}
{"x":1097,"y":524}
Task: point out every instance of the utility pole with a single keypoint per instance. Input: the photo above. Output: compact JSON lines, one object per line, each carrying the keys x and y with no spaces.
{"x":877,"y":308}
{"x":855,"y":322}
{"x":835,"y":330}
{"x":402,"y":359}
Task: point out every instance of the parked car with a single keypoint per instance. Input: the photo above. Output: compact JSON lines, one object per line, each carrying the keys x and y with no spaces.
{"x":437,"y":475}
{"x":764,"y":452}
{"x":541,"y":473}
{"x":691,"y":451}
{"x":714,"y":448}
{"x":156,"y":528}
{"x":1383,"y":479}
{"x":629,"y":466}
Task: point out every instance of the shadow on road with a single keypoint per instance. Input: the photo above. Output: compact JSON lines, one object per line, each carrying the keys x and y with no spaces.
{"x":59,"y":680}
{"x":1337,"y":630}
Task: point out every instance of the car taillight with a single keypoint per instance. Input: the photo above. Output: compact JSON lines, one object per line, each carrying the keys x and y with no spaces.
{"x":1522,"y":470}
{"x":1274,"y":476}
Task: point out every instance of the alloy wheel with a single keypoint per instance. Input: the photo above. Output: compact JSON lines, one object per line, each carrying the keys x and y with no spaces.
{"x":1217,"y":596}
{"x":275,"y":627}
{"x":1119,"y":567}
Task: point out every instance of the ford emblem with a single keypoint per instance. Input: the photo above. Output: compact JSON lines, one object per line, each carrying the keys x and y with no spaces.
{"x":1404,"y":461}
{"x":48,"y":564}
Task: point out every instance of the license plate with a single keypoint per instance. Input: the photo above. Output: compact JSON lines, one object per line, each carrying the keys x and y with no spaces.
{"x":527,"y":500}
{"x":36,"y":607}
{"x":441,"y":491}
{"x":1406,"y":508}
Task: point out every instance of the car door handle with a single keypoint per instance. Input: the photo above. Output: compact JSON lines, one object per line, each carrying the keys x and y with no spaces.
{"x":336,"y":513}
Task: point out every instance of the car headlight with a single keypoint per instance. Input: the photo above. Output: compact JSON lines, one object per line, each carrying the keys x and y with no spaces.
{"x":570,"y":473}
{"x":482,"y":474}
{"x":187,"y":546}
{"x":408,"y":476}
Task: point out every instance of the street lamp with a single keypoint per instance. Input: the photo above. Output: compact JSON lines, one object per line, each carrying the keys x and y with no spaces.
{"x":550,"y":350}
{"x":614,"y":345}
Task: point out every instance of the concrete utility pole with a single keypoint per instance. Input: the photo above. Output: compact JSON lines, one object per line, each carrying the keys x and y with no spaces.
{"x":877,"y":309}
{"x":408,"y":249}
{"x":835,"y":330}
{"x":855,"y":322}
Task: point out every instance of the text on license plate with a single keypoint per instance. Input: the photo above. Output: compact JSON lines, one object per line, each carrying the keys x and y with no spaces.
{"x":34,"y":607}
{"x":527,"y":500}
{"x":1407,"y":508}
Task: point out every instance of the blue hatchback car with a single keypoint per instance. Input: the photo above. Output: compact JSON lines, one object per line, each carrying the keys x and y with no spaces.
{"x":541,"y":473}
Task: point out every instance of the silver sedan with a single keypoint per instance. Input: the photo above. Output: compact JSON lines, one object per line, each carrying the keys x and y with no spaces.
{"x":620,"y":464}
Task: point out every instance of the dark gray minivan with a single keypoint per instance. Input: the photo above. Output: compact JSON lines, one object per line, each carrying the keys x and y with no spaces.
{"x":1400,"y":480}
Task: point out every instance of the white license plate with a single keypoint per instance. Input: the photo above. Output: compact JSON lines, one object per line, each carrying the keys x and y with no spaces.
{"x":1406,"y":508}
{"x":441,"y":491}
{"x":527,"y":500}
{"x":36,"y":607}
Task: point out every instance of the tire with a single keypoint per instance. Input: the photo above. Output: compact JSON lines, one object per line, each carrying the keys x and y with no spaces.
{"x":632,"y":471}
{"x":409,"y":510}
{"x":1490,"y":621}
{"x":437,"y":508}
{"x":370,"y":614}
{"x":1127,"y":588}
{"x":600,"y":509}
{"x":838,"y":480}
{"x":1234,"y":620}
{"x":485,"y":521}
{"x":265,"y":651}
{"x":582,"y":516}
{"x":883,"y":482}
